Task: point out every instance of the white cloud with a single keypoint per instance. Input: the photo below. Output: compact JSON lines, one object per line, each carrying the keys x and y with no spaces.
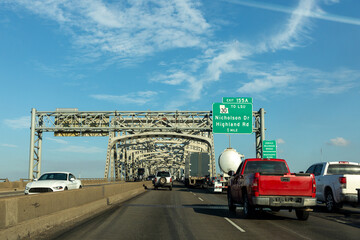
{"x":317,"y":13}
{"x":125,"y":29}
{"x":280,"y":141}
{"x":57,"y":140}
{"x":141,"y":97}
{"x":81,"y":149}
{"x":294,"y":31}
{"x":8,"y":145}
{"x":18,"y":123}
{"x":283,"y":78}
{"x":339,"y":141}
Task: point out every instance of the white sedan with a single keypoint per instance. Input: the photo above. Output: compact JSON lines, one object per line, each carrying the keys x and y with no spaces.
{"x":53,"y":182}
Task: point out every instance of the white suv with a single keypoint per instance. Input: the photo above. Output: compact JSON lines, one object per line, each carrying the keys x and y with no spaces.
{"x":163,"y":179}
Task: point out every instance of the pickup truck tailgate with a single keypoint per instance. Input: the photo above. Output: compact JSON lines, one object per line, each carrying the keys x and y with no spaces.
{"x":285,"y":185}
{"x":352,"y":183}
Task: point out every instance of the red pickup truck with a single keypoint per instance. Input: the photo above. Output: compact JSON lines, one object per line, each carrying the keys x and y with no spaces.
{"x":268,"y":183}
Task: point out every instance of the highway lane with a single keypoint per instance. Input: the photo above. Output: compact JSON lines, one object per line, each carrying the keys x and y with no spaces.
{"x":196,"y":214}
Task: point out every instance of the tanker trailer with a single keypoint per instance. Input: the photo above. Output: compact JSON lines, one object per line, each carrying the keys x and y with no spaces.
{"x":229,"y":160}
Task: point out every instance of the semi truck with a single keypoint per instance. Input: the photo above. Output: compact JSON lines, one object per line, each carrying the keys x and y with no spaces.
{"x":229,"y":160}
{"x":197,"y":169}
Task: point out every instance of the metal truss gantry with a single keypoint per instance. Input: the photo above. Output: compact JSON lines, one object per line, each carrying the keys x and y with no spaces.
{"x":152,"y":140}
{"x":147,"y":139}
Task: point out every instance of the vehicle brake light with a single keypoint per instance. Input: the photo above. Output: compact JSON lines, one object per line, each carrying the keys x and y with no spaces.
{"x":255,"y":186}
{"x":343,"y":162}
{"x":342,"y":181}
{"x":170,"y":179}
{"x":313,"y":186}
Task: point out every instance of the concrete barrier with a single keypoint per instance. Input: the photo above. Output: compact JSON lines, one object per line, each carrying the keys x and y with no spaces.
{"x":30,"y":215}
{"x":12,"y":186}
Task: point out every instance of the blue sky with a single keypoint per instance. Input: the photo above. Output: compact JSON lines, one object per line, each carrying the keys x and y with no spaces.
{"x":299,"y":60}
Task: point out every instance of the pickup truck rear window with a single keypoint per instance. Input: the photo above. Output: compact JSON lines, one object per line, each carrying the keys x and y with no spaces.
{"x":340,"y":169}
{"x":163,"y":174}
{"x":266,"y":167}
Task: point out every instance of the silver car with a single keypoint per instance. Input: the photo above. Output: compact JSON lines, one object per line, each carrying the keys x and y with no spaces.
{"x":163,"y":179}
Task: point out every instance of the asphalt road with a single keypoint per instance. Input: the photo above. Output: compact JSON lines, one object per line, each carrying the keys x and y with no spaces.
{"x":197,"y":214}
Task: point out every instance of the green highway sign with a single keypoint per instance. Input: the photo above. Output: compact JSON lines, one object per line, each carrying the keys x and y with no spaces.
{"x":269,"y":149}
{"x":232,"y":118}
{"x":238,"y":100}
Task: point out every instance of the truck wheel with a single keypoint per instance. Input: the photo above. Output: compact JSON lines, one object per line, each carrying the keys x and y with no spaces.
{"x":231,"y":205}
{"x":301,"y":214}
{"x":248,"y":210}
{"x":329,"y":201}
{"x":170,"y":188}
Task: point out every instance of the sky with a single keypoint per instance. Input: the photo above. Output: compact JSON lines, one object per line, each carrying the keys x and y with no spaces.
{"x":297,"y":59}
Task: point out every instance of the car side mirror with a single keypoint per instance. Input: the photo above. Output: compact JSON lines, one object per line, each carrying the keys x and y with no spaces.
{"x":72,"y":179}
{"x":231,"y":173}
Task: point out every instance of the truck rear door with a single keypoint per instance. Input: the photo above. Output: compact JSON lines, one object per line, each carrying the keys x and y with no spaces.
{"x":285,"y":185}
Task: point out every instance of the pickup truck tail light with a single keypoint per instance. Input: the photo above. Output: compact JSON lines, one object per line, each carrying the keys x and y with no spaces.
{"x":255,"y":186}
{"x":313,"y":186}
{"x":342,"y":181}
{"x":170,"y":179}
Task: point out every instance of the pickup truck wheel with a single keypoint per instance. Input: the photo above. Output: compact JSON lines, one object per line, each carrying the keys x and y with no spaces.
{"x":248,"y":210}
{"x":170,"y":188}
{"x":231,"y":205}
{"x":329,"y":201}
{"x":301,"y":214}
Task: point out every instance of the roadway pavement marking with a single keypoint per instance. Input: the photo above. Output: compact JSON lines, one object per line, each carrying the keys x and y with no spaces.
{"x":340,"y":221}
{"x":232,"y":223}
{"x":200,"y":199}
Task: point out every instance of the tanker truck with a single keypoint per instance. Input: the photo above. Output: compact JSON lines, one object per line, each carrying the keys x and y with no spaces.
{"x":229,"y":160}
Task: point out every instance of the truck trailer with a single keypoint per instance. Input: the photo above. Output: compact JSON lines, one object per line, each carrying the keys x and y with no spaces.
{"x":197,"y":169}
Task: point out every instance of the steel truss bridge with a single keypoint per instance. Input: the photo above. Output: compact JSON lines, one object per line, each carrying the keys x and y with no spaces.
{"x":152,"y":140}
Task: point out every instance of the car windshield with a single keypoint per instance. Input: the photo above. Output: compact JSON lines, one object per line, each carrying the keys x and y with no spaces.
{"x":53,"y":176}
{"x":163,"y":174}
{"x":339,"y":169}
{"x":266,"y":167}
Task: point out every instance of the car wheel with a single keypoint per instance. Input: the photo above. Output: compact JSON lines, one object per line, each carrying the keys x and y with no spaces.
{"x":156,"y":188}
{"x":329,"y":201}
{"x":248,"y":210}
{"x":170,"y":188}
{"x":80,"y":187}
{"x":66,"y":188}
{"x":301,"y":214}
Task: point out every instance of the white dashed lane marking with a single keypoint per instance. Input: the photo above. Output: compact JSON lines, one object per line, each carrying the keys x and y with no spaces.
{"x":236,"y":226}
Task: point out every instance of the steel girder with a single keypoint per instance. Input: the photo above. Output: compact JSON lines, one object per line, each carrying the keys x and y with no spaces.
{"x":71,"y":122}
{"x":156,"y":150}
